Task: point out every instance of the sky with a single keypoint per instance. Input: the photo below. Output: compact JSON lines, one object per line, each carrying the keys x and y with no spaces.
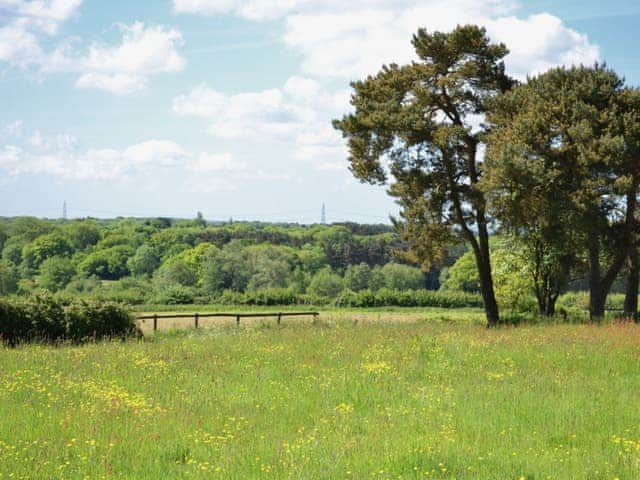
{"x":170,"y":107}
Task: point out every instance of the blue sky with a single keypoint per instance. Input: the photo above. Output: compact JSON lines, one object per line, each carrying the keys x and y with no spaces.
{"x":169,"y":107}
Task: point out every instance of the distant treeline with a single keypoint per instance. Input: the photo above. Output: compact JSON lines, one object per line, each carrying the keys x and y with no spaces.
{"x":161,"y":260}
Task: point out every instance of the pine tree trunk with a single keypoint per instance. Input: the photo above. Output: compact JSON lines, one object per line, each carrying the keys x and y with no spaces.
{"x":596,"y":294}
{"x":631,"y":292}
{"x":483,"y":261}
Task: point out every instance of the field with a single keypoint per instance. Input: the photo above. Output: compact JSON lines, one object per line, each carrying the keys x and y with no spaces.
{"x":430,"y":396}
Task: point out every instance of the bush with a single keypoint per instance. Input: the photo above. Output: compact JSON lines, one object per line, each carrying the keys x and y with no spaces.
{"x":325,"y":283}
{"x":95,"y":320}
{"x":402,"y":277}
{"x":175,"y":295}
{"x":42,"y":318}
{"x":269,"y":296}
{"x":56,"y":273}
{"x":386,"y":297}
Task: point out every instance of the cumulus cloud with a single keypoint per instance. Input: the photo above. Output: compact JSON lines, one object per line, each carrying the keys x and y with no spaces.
{"x":60,"y":156}
{"x":40,"y":15}
{"x":214,"y":163}
{"x":298,"y":114}
{"x":123,"y":68}
{"x":340,"y":40}
{"x":26,"y":21}
{"x":353,"y":39}
{"x":144,"y":50}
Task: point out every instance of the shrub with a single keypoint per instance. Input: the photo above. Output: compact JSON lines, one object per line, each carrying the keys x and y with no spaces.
{"x":56,"y":273}
{"x":386,"y":297}
{"x":95,"y":320}
{"x":325,"y":283}
{"x":402,"y":277}
{"x":42,"y":318}
{"x":175,"y":295}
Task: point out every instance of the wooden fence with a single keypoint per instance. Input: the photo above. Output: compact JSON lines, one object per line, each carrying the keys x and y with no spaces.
{"x":197,"y":316}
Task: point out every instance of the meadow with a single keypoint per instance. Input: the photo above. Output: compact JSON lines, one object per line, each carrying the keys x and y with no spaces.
{"x":434,"y":395}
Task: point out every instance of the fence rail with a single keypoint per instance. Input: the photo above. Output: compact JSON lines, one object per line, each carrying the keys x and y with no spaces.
{"x":197,"y":316}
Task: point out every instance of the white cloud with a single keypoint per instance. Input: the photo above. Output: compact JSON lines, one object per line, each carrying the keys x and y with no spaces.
{"x":59,"y":156}
{"x":215,"y":163}
{"x":353,"y":39}
{"x":298,"y":114}
{"x":123,"y":68}
{"x":12,"y":130}
{"x":26,"y":20}
{"x":541,"y":42}
{"x":341,"y":40}
{"x":61,"y":159}
{"x":39,"y":14}
{"x":252,"y":114}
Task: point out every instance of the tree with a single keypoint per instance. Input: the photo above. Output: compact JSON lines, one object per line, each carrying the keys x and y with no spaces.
{"x":46,"y":246}
{"x":325,"y":283}
{"x":423,"y":119}
{"x":402,"y":277}
{"x":175,"y":271}
{"x":511,"y":275}
{"x":357,"y":277}
{"x":8,"y":277}
{"x":83,"y":233}
{"x":107,"y":264}
{"x":56,"y":273}
{"x":564,"y":171}
{"x":145,"y":261}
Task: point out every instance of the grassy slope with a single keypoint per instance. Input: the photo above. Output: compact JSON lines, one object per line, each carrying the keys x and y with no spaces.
{"x":372,"y":400}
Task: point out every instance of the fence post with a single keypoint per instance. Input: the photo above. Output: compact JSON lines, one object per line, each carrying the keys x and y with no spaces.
{"x":237,"y":319}
{"x":196,"y":319}
{"x":279,"y":316}
{"x":155,"y":322}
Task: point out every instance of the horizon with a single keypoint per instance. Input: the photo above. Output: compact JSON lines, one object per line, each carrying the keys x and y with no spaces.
{"x":166,"y":108}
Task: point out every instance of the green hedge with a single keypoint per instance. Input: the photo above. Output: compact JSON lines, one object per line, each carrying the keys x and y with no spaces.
{"x":347,"y":298}
{"x":45,"y":319}
{"x":407,"y":298}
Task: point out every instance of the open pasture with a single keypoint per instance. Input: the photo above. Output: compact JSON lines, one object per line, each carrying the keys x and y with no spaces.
{"x":335,"y":399}
{"x":328,"y":316}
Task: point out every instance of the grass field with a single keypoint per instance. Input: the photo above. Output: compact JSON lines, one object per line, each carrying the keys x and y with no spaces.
{"x":420,"y":398}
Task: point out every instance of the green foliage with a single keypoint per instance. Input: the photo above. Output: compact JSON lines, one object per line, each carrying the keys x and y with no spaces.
{"x":386,"y":297}
{"x":325,"y":283}
{"x":175,"y":294}
{"x":56,"y":273}
{"x":97,"y":320}
{"x":402,"y":277}
{"x":357,"y":277}
{"x":44,"y":247}
{"x":144,"y":262}
{"x":9,"y":278}
{"x":266,"y":297}
{"x":83,"y":233}
{"x":513,"y":282}
{"x":462,"y":276}
{"x":12,"y":251}
{"x":412,"y":128}
{"x":42,"y":318}
{"x":563,"y":169}
{"x":107,"y":264}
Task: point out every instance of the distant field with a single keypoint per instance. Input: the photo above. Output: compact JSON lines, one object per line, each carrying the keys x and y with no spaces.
{"x":327,"y":316}
{"x":337,"y":399}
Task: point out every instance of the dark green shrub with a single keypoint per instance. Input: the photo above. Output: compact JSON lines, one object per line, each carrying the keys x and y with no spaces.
{"x":175,"y":295}
{"x":95,"y":320}
{"x":43,"y":318}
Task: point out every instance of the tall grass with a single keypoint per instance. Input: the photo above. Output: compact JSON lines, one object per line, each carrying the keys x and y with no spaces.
{"x":335,"y":399}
